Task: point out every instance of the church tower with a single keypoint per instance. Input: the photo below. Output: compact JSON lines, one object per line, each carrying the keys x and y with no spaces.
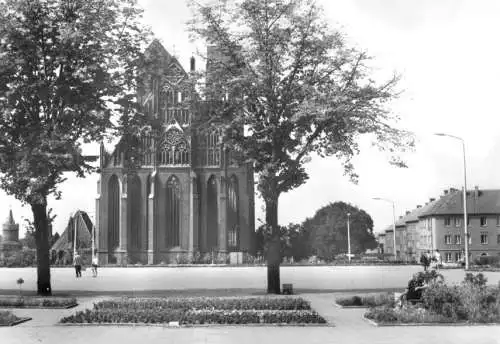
{"x":186,"y":195}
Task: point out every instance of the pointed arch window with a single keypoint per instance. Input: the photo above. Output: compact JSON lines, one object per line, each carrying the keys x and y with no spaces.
{"x":173,"y":212}
{"x":233,"y":214}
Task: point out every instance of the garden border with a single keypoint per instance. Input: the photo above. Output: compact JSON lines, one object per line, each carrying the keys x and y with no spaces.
{"x":168,"y":325}
{"x":349,"y":307}
{"x":374,"y":323}
{"x":39,"y":307}
{"x":17,"y":322}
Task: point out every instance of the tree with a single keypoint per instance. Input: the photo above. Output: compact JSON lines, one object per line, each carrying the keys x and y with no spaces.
{"x":328,"y":230}
{"x":284,"y":86}
{"x":67,"y":69}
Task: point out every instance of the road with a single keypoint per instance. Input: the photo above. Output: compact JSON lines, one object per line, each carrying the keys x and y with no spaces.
{"x":310,"y":278}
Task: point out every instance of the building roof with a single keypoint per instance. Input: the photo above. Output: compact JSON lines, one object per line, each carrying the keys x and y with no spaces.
{"x":478,"y":202}
{"x":83,"y":233}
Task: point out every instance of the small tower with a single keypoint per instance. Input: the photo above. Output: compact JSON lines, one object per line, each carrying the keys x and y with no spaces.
{"x":10,"y":236}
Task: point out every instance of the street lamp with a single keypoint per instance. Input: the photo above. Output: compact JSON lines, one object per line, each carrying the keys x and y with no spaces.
{"x":465,"y":197}
{"x":393,"y":220}
{"x":349,"y":236}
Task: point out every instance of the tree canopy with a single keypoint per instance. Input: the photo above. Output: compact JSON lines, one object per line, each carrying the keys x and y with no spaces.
{"x":285,"y":85}
{"x":66,"y":68}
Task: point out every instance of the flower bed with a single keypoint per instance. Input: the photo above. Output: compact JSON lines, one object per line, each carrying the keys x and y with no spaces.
{"x":255,"y":303}
{"x":198,"y":311}
{"x":367,"y":300}
{"x":471,"y":302}
{"x":9,"y":319}
{"x":36,"y":302}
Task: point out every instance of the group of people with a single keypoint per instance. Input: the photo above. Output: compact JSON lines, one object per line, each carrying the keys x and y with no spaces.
{"x":78,"y":263}
{"x":426,"y":259}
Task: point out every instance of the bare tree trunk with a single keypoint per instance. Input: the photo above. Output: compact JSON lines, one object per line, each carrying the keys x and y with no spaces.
{"x":42,"y":248}
{"x":273,"y":251}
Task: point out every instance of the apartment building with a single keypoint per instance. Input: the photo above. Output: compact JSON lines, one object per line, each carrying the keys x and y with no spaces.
{"x":446,"y":218}
{"x":438,"y":225}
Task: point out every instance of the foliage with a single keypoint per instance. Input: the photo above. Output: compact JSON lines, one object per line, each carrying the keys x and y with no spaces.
{"x":327,"y":230}
{"x":406,"y":315}
{"x":284,"y":86}
{"x":7,"y":318}
{"x":293,"y":241}
{"x":37,"y":302}
{"x":259,"y":303}
{"x":488,"y":260}
{"x":67,"y":68}
{"x":199,"y":311}
{"x":23,"y":258}
{"x":478,"y":280}
{"x":367,"y":300}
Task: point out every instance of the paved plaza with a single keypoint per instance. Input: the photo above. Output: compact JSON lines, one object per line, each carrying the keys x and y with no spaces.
{"x":304,"y":278}
{"x":319,"y":285}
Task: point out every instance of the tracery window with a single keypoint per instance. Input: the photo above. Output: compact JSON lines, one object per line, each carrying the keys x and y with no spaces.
{"x":232,"y":214}
{"x":174,"y":149}
{"x":173,"y":212}
{"x":210,"y":149}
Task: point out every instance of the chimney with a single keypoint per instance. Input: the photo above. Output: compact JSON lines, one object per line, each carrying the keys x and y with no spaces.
{"x":432,"y":199}
{"x":408,"y":212}
{"x":419,"y":206}
{"x":445,"y":192}
{"x":192,"y":63}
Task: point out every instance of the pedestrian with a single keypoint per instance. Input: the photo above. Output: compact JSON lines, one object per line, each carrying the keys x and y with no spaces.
{"x":95,"y":262}
{"x":437,"y":258}
{"x":424,"y":260}
{"x":77,"y":261}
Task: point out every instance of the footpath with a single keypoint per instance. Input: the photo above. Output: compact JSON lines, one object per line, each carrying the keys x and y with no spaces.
{"x":346,"y":326}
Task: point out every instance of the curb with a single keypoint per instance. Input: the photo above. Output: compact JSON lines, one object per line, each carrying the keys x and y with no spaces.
{"x":350,"y":307}
{"x":39,"y":307}
{"x":17,"y":322}
{"x":175,"y":324}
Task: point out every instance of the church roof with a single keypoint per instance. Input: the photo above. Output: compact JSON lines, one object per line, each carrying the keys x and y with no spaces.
{"x":84,"y":228}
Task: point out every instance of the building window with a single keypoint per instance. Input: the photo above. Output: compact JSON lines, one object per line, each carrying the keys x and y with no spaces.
{"x":458,"y":221}
{"x":498,"y":220}
{"x":447,"y":257}
{"x":483,"y":221}
{"x":447,"y":221}
{"x":484,"y":238}
{"x":447,"y":239}
{"x":458,"y":256}
{"x":458,"y":239}
{"x":173,"y":212}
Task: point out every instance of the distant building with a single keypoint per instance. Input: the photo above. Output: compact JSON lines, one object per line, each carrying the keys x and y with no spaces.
{"x":10,"y":236}
{"x":81,"y":224}
{"x":445,"y":218}
{"x":438,"y":225}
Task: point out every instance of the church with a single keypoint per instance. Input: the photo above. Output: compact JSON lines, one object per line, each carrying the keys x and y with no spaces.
{"x":186,"y":194}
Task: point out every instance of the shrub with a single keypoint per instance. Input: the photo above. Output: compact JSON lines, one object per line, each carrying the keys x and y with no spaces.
{"x":28,"y":302}
{"x":477,"y":281}
{"x":368,"y":300}
{"x":488,"y":260}
{"x":7,"y":318}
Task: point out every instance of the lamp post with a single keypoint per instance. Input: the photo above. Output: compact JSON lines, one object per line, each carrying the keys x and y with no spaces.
{"x":465,"y":197}
{"x":349,"y":236}
{"x":393,"y":220}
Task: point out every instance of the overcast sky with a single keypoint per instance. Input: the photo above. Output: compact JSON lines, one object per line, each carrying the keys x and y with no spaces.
{"x":447,"y":52}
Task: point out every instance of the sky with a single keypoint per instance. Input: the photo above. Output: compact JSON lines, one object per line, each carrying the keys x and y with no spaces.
{"x":447,"y":52}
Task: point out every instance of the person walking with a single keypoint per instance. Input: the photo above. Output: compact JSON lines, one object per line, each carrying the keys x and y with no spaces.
{"x":437,"y":258}
{"x":424,"y":260}
{"x":95,"y":262}
{"x":78,"y":265}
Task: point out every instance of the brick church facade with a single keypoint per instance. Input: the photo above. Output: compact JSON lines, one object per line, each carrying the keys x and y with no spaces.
{"x":186,"y":195}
